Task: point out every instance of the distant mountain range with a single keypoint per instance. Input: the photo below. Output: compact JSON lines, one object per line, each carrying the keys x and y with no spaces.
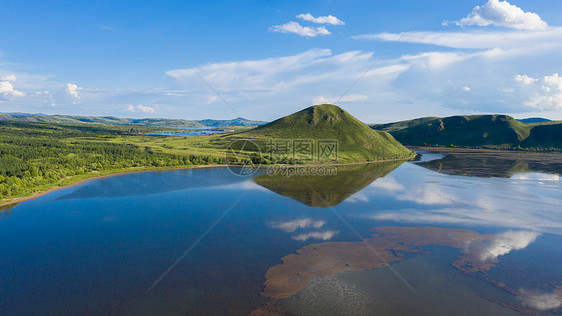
{"x":533,"y":120}
{"x":111,"y":120}
{"x":484,"y":131}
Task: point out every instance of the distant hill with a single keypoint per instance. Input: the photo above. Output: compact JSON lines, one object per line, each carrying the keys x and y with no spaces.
{"x":396,"y":126}
{"x":533,"y":120}
{"x":239,"y":121}
{"x":356,"y":140}
{"x":486,"y":131}
{"x":111,"y":120}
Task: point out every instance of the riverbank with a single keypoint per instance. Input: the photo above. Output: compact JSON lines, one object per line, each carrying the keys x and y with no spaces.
{"x":73,"y":181}
{"x":550,"y":157}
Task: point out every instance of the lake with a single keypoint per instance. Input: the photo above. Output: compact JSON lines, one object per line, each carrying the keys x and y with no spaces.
{"x":462,"y":233}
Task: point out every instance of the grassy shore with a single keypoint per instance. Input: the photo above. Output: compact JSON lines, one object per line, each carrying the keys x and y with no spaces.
{"x":77,"y":180}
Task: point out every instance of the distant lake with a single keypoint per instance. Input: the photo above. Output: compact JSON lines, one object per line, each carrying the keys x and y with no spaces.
{"x":464,"y":234}
{"x":196,"y":132}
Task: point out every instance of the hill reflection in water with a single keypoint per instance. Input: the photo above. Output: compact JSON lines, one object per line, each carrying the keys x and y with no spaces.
{"x":487,"y":163}
{"x":326,"y":190}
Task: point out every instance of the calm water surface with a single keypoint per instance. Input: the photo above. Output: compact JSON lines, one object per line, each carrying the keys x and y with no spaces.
{"x":97,"y":248}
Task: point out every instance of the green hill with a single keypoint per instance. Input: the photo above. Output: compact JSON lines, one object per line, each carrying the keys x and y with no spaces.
{"x":396,"y":126}
{"x":112,"y":120}
{"x":356,"y":141}
{"x":486,"y":131}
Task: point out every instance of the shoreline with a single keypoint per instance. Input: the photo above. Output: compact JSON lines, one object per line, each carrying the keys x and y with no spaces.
{"x":17,"y":200}
{"x":37,"y":194}
{"x":487,"y":150}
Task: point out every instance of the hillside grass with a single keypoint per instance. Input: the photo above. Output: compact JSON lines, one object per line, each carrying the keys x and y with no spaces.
{"x":356,"y":140}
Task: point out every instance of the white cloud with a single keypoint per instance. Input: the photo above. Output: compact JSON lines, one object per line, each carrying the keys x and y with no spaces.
{"x":387,"y":183}
{"x":315,"y":235}
{"x":72,"y":90}
{"x":466,"y":89}
{"x":145,"y":109}
{"x":10,"y":77}
{"x":330,"y":19}
{"x":525,"y":79}
{"x":295,"y":27}
{"x":277,"y":75}
{"x":491,"y":90}
{"x":140,"y":108}
{"x":7,"y":89}
{"x":429,"y":195}
{"x":291,"y":226}
{"x":277,"y":86}
{"x":502,"y":13}
{"x":536,"y":176}
{"x":504,"y":243}
{"x":538,"y":300}
{"x":549,"y":38}
{"x":331,"y":100}
{"x":357,"y":197}
{"x":435,"y":60}
{"x":543,"y":94}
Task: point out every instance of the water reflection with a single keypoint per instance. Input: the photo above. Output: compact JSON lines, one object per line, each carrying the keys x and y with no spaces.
{"x":152,"y":182}
{"x":504,"y":230}
{"x":494,"y":163}
{"x":501,"y":245}
{"x":479,"y":253}
{"x":6,"y":210}
{"x":326,"y":190}
{"x":292,"y":225}
{"x":530,"y":201}
{"x":306,"y":228}
{"x":540,"y":300}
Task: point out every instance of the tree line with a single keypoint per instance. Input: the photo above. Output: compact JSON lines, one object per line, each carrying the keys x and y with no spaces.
{"x":35,"y":155}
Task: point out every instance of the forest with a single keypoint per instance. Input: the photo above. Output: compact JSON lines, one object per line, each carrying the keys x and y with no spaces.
{"x":36,"y":156}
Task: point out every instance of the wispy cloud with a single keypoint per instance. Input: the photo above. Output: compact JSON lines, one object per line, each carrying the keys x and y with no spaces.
{"x":347,"y":98}
{"x":330,"y":19}
{"x":296,"y":28}
{"x":324,"y":235}
{"x":299,"y":223}
{"x":476,"y":39}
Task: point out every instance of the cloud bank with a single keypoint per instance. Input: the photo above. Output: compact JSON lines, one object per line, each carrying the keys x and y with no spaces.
{"x":502,"y":13}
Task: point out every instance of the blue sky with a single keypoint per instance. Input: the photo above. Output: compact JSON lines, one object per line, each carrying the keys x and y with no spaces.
{"x":267,"y":59}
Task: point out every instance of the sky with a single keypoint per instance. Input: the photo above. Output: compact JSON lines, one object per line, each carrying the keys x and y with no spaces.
{"x":381,"y":61}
